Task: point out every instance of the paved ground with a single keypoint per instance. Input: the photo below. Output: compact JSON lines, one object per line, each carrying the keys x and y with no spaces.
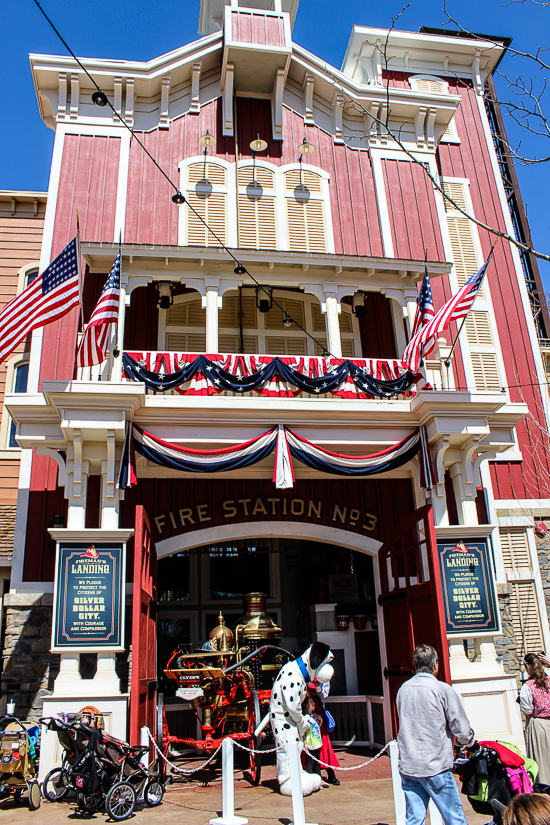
{"x":364,"y":798}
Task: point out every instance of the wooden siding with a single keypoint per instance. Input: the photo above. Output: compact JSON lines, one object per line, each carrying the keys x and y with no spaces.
{"x":412,"y":210}
{"x":21,"y":228}
{"x":257,"y":27}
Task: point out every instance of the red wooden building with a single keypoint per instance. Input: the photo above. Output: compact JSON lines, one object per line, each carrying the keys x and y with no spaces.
{"x":333,"y":218}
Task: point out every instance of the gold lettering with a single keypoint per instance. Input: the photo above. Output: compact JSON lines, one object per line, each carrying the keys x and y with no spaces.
{"x":159,"y":521}
{"x":284,"y":507}
{"x":203,"y":516}
{"x":273,"y":501}
{"x":244,"y":502}
{"x":259,"y":507}
{"x":339,"y":514}
{"x":173,"y":520}
{"x":292,"y":509}
{"x":228,"y":510}
{"x":315,"y":509}
{"x":354,"y":516}
{"x":372,"y":520}
{"x":186,"y":514}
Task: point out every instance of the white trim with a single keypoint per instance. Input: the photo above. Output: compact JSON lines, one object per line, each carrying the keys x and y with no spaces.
{"x":122,"y":185}
{"x":21,"y":518}
{"x":515,"y":255}
{"x":269,"y":529}
{"x":6,"y":420}
{"x":23,"y":272}
{"x":383,"y":211}
{"x":522,"y":503}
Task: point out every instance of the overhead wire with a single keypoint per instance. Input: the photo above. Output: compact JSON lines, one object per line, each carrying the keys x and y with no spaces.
{"x":179,"y":198}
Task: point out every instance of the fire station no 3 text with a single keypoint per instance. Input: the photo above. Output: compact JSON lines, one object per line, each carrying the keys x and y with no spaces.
{"x":279,"y":508}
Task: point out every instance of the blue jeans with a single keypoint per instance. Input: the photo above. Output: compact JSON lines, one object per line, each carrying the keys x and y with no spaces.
{"x":442,"y":789}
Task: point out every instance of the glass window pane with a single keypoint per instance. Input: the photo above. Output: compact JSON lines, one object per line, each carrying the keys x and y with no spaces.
{"x":21,"y":378}
{"x":238,"y":568}
{"x":173,"y":578}
{"x":12,"y":441}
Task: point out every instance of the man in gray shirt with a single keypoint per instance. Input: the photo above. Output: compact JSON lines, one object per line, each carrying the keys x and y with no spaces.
{"x":430,"y":714}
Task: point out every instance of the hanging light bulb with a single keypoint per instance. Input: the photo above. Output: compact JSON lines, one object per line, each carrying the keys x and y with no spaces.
{"x":258,"y":145}
{"x":165,"y":297}
{"x":287,"y":321}
{"x":359,"y":304}
{"x":207,"y":141}
{"x":99,"y":98}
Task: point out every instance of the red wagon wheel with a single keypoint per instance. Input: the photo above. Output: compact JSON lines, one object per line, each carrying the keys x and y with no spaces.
{"x":255,"y":742}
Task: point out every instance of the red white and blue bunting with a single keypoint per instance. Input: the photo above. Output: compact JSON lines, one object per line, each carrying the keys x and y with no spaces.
{"x":287,"y":445}
{"x":272,"y":376}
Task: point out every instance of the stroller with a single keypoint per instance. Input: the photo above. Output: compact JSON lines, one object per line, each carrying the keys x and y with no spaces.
{"x":73,"y":741}
{"x":18,"y":742}
{"x":493,"y":775}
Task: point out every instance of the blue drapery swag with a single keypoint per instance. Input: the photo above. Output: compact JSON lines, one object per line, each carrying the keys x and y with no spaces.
{"x":223,"y":380}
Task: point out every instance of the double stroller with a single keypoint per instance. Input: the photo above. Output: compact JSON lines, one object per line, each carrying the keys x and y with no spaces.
{"x":104,"y":772}
{"x":494,"y":774}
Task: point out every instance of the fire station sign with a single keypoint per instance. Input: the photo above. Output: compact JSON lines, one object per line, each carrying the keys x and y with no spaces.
{"x":89,"y":597}
{"x":468,"y":588}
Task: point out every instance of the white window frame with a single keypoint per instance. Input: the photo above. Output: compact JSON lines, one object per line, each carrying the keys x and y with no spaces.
{"x":280,"y":198}
{"x":5,"y":422}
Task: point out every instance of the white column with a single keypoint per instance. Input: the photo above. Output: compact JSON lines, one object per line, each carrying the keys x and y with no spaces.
{"x":332,"y":309}
{"x":116,"y":373}
{"x":68,"y":680}
{"x":109,"y":492}
{"x":106,"y":681}
{"x":212,"y":303}
{"x":77,"y":483}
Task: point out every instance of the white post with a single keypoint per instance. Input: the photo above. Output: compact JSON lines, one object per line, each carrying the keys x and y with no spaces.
{"x":295,"y":767}
{"x":332,"y":309}
{"x":398,"y":795}
{"x":228,"y":791}
{"x":212,"y":303}
{"x":144,"y":740}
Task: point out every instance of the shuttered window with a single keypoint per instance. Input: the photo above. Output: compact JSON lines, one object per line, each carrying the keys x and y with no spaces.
{"x":348,"y":347}
{"x":257,"y":224}
{"x":308,"y":179}
{"x":207,"y":195}
{"x":279,"y":345}
{"x":274,"y":318}
{"x":478,"y":329}
{"x":485,"y":369}
{"x":228,"y":316}
{"x":232,"y":343}
{"x":525,"y":617}
{"x":248,"y":174}
{"x":185,"y":342}
{"x":186,"y":314}
{"x":306,"y":226}
{"x":454,"y":190}
{"x":515,"y":550}
{"x":433,"y":87}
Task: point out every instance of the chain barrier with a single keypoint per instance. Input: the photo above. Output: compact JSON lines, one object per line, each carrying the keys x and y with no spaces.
{"x":253,"y":750}
{"x":176,"y":768}
{"x":353,"y":767}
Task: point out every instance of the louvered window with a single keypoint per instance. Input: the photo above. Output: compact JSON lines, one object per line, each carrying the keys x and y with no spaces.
{"x":344,"y":319}
{"x":454,"y":190}
{"x":285,"y":345}
{"x":207,"y":195}
{"x":433,"y":87}
{"x":515,"y":550}
{"x":274,"y":318}
{"x":186,"y":314}
{"x":228,"y":316}
{"x":485,"y":369}
{"x":256,"y":208}
{"x":232,"y":343}
{"x":348,"y":347}
{"x":478,"y":329}
{"x":526,"y":617}
{"x":185,"y":342}
{"x":305,"y":212}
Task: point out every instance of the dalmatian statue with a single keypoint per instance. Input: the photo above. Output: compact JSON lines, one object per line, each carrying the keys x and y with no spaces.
{"x":288,"y":722}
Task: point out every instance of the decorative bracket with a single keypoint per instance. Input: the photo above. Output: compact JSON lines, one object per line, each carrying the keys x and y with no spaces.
{"x":164,"y":101}
{"x":309,"y":88}
{"x":195,"y":107}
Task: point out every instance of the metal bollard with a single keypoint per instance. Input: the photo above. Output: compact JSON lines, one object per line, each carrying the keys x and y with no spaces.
{"x":295,"y":767}
{"x":228,"y":791}
{"x":144,"y":740}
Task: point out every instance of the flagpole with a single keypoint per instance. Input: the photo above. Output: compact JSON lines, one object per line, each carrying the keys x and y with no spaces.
{"x":80,"y":283}
{"x":421,"y":361}
{"x":116,"y":350}
{"x":448,"y":359}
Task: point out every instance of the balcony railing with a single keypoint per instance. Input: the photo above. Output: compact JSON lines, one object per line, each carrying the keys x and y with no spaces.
{"x":238,"y":367}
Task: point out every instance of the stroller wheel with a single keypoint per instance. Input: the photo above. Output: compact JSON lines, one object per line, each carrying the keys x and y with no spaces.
{"x":121,"y":801}
{"x":91,"y":803}
{"x":153,"y":793}
{"x":34,"y":795}
{"x":54,"y":786}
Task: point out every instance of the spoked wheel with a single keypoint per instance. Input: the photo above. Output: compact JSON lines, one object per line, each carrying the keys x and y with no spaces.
{"x":34,"y":795}
{"x":256,"y":741}
{"x":91,"y":803}
{"x":153,"y":793}
{"x":54,"y":786}
{"x":121,"y":801}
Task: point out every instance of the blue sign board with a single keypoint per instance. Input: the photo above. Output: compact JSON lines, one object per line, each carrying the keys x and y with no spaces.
{"x":89,"y":597}
{"x":468,"y":588}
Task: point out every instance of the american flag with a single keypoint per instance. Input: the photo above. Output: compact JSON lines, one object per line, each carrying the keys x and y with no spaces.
{"x":456,"y":308}
{"x":94,"y":341}
{"x":424,"y":314}
{"x":50,"y":296}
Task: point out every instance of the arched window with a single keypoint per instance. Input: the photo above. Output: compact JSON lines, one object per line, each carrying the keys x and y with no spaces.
{"x":305,"y":211}
{"x":257,"y":222}
{"x":17,"y":375}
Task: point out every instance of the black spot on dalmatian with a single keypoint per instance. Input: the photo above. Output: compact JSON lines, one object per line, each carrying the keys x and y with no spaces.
{"x":284,"y":687}
{"x":292,"y":698}
{"x":287,"y":713}
{"x":273,"y":716}
{"x":276,"y":731}
{"x":292,"y":684}
{"x":275,"y":696}
{"x":286,"y":726}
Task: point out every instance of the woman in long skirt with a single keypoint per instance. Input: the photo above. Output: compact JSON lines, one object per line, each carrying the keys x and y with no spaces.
{"x":535,"y":704}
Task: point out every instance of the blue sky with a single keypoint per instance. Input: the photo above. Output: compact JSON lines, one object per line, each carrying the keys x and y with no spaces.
{"x":141,"y":30}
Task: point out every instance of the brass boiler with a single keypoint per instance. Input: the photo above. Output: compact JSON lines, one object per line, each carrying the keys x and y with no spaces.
{"x":253,"y":630}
